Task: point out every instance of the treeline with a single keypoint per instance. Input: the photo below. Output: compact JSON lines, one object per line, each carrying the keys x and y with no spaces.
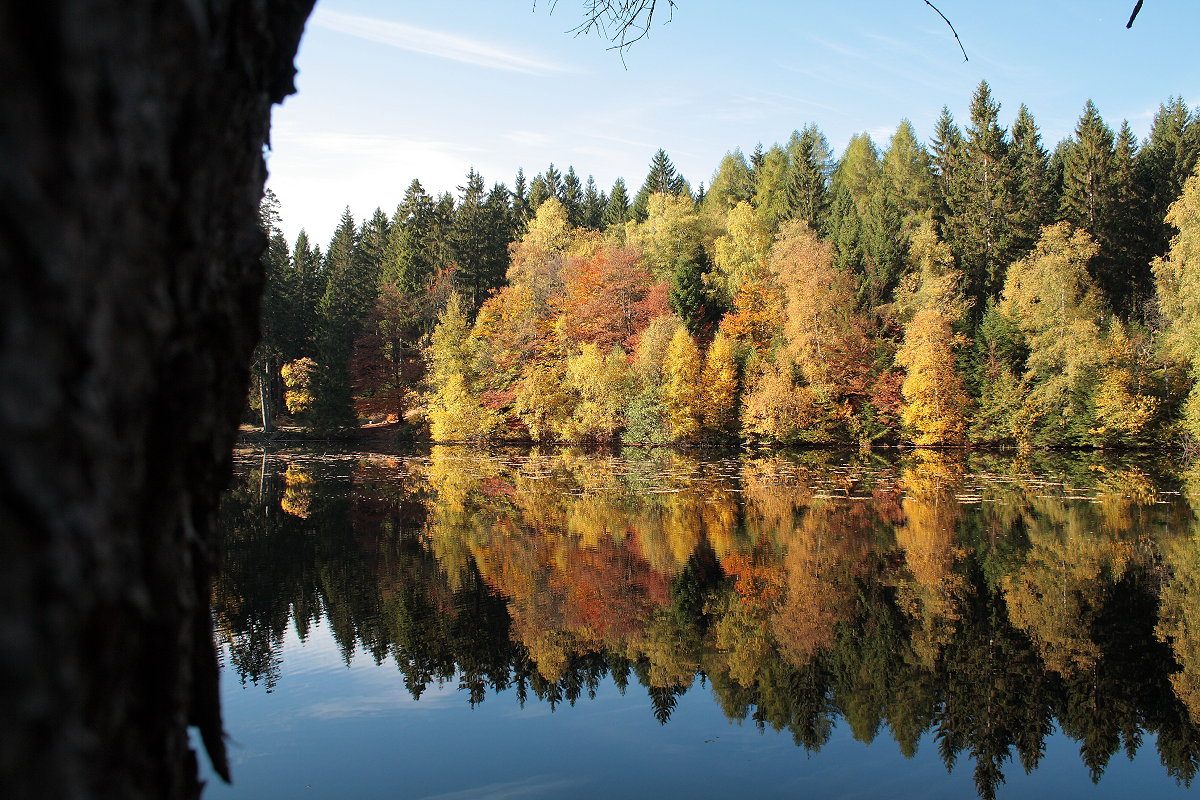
{"x":981,"y":289}
{"x":951,"y":600}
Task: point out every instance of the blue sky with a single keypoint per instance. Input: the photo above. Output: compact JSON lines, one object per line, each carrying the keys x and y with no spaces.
{"x":390,"y":91}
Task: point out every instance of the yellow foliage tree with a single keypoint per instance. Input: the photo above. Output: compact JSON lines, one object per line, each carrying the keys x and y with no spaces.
{"x":1058,"y":308}
{"x":1177,"y":278}
{"x":536,"y":260}
{"x":681,"y":378}
{"x":719,"y":387}
{"x":671,"y":235}
{"x":825,"y":337}
{"x":934,"y":395}
{"x":741,"y":253}
{"x":601,"y":383}
{"x":543,"y":403}
{"x":1123,"y":414}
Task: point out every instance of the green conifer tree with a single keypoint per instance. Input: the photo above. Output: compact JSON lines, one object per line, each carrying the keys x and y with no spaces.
{"x":809,"y":166}
{"x":661,"y":179}
{"x":617,"y":210}
{"x":731,"y":184}
{"x":986,"y":200}
{"x":908,"y":178}
{"x":571,"y":197}
{"x":1036,"y":202}
{"x":520,"y":200}
{"x":1164,"y":164}
{"x":594,"y":203}
{"x":1089,"y":194}
{"x":349,"y":293}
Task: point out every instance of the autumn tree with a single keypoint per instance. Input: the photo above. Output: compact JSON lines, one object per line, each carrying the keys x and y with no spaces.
{"x":681,"y":386}
{"x":1058,"y":308}
{"x":1178,"y":280}
{"x":934,"y":392}
{"x":719,"y":389}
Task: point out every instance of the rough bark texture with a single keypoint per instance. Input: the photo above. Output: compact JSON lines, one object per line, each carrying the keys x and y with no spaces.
{"x":131,"y":135}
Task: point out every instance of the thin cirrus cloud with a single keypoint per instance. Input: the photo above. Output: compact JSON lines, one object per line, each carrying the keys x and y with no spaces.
{"x":432,"y":43}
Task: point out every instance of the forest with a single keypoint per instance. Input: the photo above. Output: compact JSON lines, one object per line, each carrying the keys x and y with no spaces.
{"x":984,"y":289}
{"x":987,"y":599}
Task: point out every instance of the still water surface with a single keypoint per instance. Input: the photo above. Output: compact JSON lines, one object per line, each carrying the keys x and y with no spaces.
{"x":538,"y":624}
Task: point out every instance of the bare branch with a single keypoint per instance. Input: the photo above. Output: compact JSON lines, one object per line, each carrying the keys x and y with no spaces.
{"x":621,"y":22}
{"x":1133,"y":16}
{"x":948,"y":22}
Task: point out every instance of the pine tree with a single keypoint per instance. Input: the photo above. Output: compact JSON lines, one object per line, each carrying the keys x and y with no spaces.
{"x":986,"y":199}
{"x":520,"y":200}
{"x":349,"y":293}
{"x":1036,"y":202}
{"x":810,"y":162}
{"x":617,"y":210}
{"x":661,"y":179}
{"x":1165,"y":162}
{"x":1088,"y":197}
{"x":572,"y":197}
{"x":594,"y":203}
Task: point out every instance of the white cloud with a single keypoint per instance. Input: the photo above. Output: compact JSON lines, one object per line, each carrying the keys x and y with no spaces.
{"x":432,"y":43}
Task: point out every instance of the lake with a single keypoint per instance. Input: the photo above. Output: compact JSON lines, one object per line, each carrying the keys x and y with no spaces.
{"x":456,"y":623}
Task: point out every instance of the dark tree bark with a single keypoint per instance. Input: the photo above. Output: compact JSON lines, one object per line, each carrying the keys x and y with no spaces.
{"x":131,"y":136}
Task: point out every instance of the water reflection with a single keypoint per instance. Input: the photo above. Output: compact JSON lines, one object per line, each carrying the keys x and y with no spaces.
{"x":986,"y":600}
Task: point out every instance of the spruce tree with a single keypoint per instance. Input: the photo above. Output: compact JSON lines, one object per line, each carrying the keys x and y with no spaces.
{"x":571,"y":196}
{"x":373,"y":244}
{"x":594,"y":203}
{"x":538,"y":194}
{"x":986,"y":200}
{"x":1131,"y":280}
{"x":809,"y":166}
{"x":1036,"y":202}
{"x":553,"y":179}
{"x":1165,"y":162}
{"x":865,"y":228}
{"x":947,"y":156}
{"x":661,"y":179}
{"x":1088,"y":195}
{"x":479,"y":266}
{"x":347,"y":296}
{"x":278,"y":323}
{"x":756,"y":160}
{"x":520,"y":200}
{"x":408,"y":264}
{"x":617,"y":210}
{"x":307,"y":262}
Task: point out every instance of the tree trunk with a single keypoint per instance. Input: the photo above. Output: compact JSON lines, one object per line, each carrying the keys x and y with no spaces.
{"x":132,"y":167}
